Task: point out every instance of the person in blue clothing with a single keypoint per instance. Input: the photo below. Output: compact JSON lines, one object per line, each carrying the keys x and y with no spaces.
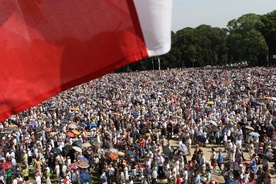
{"x":220,"y":159}
{"x":197,"y":178}
{"x":253,"y":170}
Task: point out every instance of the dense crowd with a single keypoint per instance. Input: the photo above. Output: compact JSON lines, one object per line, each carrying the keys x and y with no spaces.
{"x":148,"y":127}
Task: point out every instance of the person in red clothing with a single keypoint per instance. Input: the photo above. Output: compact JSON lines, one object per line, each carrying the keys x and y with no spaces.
{"x":142,"y":142}
{"x":178,"y":180}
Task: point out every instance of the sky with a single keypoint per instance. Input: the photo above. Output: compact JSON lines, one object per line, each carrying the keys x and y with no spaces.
{"x":216,"y":13}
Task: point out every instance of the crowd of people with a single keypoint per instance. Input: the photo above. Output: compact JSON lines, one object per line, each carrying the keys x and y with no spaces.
{"x":148,"y":127}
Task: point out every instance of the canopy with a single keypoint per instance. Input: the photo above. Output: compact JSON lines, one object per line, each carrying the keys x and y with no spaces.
{"x":78,"y":149}
{"x":6,"y":165}
{"x":72,"y":126}
{"x":86,"y":145}
{"x":70,"y":134}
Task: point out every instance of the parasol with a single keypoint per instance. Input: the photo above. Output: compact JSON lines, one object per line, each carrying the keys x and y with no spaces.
{"x":85,"y":177}
{"x":111,"y":150}
{"x":113,"y":155}
{"x":137,"y":146}
{"x":262,"y":155}
{"x":48,"y":129}
{"x":53,"y":133}
{"x":213,"y":123}
{"x":75,"y":109}
{"x":70,"y":134}
{"x":72,"y":125}
{"x":76,"y":148}
{"x":86,"y":145}
{"x":6,"y":165}
{"x":95,"y":143}
{"x":67,"y":148}
{"x":249,"y":128}
{"x":254,"y":134}
{"x":77,"y":143}
{"x":56,"y":150}
{"x":92,"y":125}
{"x":82,"y":164}
{"x":83,"y":159}
{"x":210,"y":103}
{"x":121,"y":154}
{"x":73,"y":166}
{"x":64,"y":121}
{"x":131,"y":153}
{"x":33,"y":123}
{"x":201,"y":138}
{"x":75,"y":132}
{"x":135,"y":113}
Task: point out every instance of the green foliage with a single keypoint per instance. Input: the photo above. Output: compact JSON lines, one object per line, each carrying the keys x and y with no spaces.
{"x":250,"y":38}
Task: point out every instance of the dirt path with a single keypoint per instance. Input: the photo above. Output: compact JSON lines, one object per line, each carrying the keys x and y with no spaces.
{"x":207,"y":153}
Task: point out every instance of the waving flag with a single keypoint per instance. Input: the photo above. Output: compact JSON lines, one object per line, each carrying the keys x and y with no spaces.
{"x":48,"y":46}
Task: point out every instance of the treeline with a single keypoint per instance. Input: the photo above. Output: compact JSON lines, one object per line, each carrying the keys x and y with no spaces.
{"x":249,"y":39}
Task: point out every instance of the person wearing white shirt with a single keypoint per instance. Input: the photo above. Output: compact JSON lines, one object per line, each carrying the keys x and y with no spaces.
{"x":202,"y":163}
{"x":233,"y":152}
{"x":161,"y":164}
{"x":154,"y":176}
{"x":38,"y":178}
{"x":64,"y":169}
{"x":13,"y":160}
{"x":185,"y":176}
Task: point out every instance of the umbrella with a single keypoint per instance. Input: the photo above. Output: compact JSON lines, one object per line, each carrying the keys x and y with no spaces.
{"x":201,"y":138}
{"x":33,"y":123}
{"x":92,"y":125}
{"x":95,"y":143}
{"x":137,"y":146}
{"x":82,"y":158}
{"x":75,"y":109}
{"x":213,"y":123}
{"x":56,"y":150}
{"x":70,"y":134}
{"x":75,"y":132}
{"x":48,"y":129}
{"x":78,"y":149}
{"x":86,"y":145}
{"x":254,"y":134}
{"x":135,"y":113}
{"x":262,"y":155}
{"x":82,"y":125}
{"x":82,"y":164}
{"x":67,"y":148}
{"x":6,"y":165}
{"x":77,"y":143}
{"x":73,"y":166}
{"x":72,"y":125}
{"x":53,"y":133}
{"x":131,"y":153}
{"x":64,"y":121}
{"x":113,"y":156}
{"x":249,"y":128}
{"x":85,"y":177}
{"x":210,"y":103}
{"x":111,"y":150}
{"x":121,"y":153}
{"x":48,"y":120}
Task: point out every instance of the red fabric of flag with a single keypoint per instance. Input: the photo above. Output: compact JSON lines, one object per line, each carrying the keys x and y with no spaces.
{"x":48,"y":46}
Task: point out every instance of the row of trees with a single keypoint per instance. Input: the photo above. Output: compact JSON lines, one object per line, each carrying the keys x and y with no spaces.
{"x":251,"y":38}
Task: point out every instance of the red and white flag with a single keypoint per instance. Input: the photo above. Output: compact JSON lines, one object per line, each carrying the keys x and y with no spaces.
{"x":48,"y":46}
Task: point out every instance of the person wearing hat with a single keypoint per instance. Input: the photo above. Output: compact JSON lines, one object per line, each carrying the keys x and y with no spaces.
{"x":38,"y":178}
